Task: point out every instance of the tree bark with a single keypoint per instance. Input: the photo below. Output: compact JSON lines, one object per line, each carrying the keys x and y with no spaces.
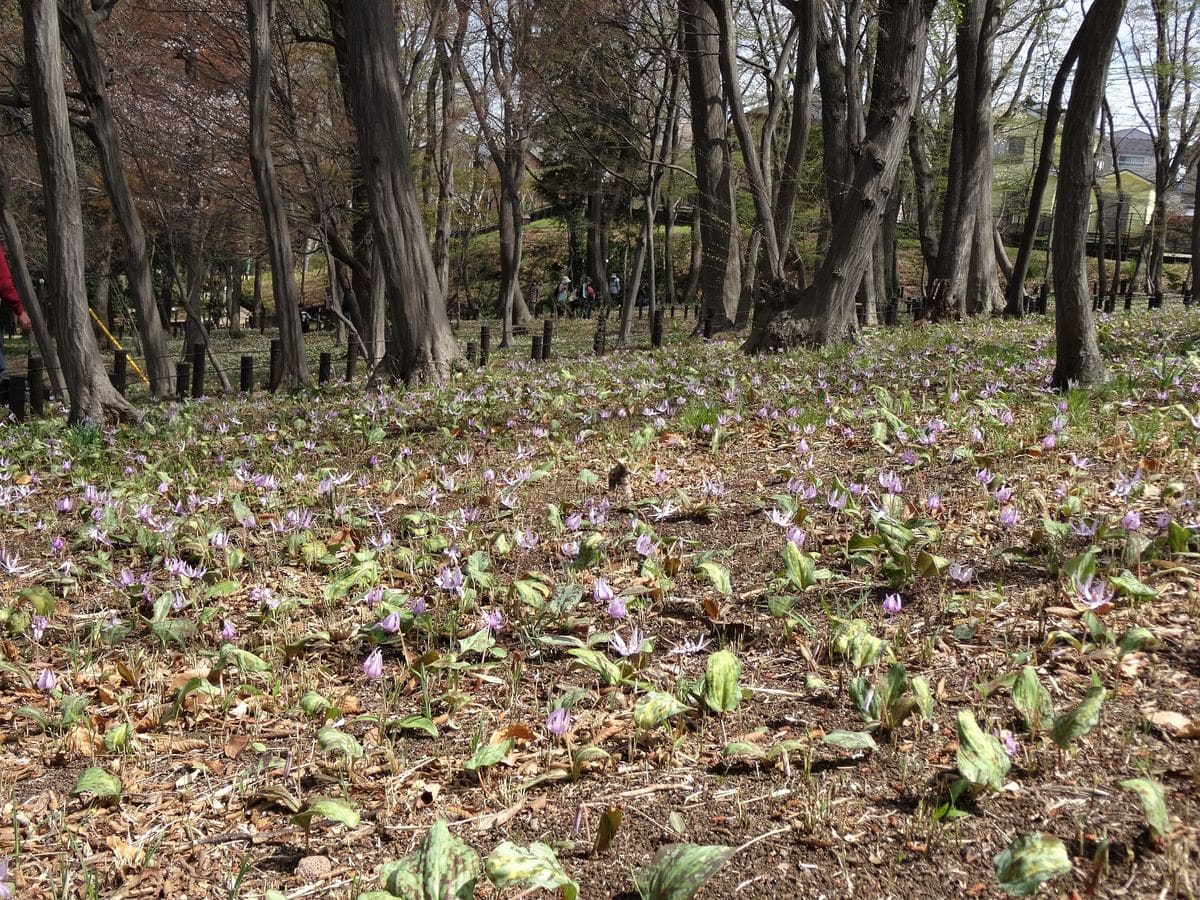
{"x":1077,"y":356}
{"x":77,"y":23}
{"x":1195,"y":261}
{"x":422,"y":345}
{"x":824,"y":312}
{"x":923,"y":198}
{"x":293,"y":365}
{"x":92,"y":394}
{"x":42,"y":333}
{"x":720,"y":262}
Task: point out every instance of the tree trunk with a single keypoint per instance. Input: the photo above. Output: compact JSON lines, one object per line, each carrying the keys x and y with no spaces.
{"x":293,"y":365}
{"x":923,"y":198}
{"x":824,"y":312}
{"x":720,"y":263}
{"x":24,"y":284}
{"x":1077,"y":357}
{"x":669,"y":293}
{"x":104,"y":277}
{"x":792,"y":172}
{"x":92,"y":394}
{"x":422,"y":345}
{"x":695,"y":260}
{"x":1195,"y":255}
{"x":77,"y":23}
{"x":1015,"y":305}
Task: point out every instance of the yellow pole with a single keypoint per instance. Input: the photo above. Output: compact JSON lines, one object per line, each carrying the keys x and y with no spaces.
{"x":117,"y":344}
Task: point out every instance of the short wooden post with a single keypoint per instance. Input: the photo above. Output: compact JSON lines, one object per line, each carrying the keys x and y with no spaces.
{"x":598,"y":338}
{"x":246,"y":381}
{"x":351,"y":360}
{"x":120,"y":365}
{"x":37,"y":386}
{"x":547,"y":337}
{"x":535,"y":347}
{"x":472,"y":353}
{"x":656,"y":328}
{"x":182,"y":377}
{"x":275,"y":373}
{"x":198,"y":371}
{"x":16,"y":396}
{"x":485,"y":344}
{"x":325,"y":368}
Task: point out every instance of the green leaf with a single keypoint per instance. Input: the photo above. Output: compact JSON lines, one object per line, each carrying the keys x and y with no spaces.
{"x":924,"y":696}
{"x":1153,"y":803}
{"x":721,"y":691}
{"x":609,"y":672}
{"x":799,"y":568}
{"x":855,"y":642}
{"x":981,"y":758}
{"x":223,"y":589}
{"x":1080,"y":568}
{"x":1032,"y":700}
{"x":39,"y":598}
{"x":718,"y":575}
{"x":116,"y":738}
{"x":850,"y":740}
{"x":1031,"y":860}
{"x":1135,"y":639}
{"x":328,"y":808}
{"x":444,"y":868}
{"x":315,"y":706}
{"x":418,"y":722}
{"x":243,"y":660}
{"x":334,"y":741}
{"x":98,"y":783}
{"x":610,"y":821}
{"x":930,"y":565}
{"x":745,"y":748}
{"x":1079,"y":721}
{"x":1127,"y":585}
{"x":655,"y":708}
{"x":535,"y":866}
{"x":678,"y":871}
{"x":488,"y":755}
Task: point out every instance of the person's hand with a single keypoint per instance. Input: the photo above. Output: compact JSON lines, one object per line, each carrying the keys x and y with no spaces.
{"x":23,"y":322}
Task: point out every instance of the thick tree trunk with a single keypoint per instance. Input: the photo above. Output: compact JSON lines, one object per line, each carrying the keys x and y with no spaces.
{"x":792,"y":172}
{"x":104,"y":278}
{"x":695,"y":260}
{"x":824,"y":312}
{"x":923,"y":198}
{"x":15,"y":247}
{"x":422,"y":344}
{"x":92,"y":394}
{"x":293,"y":365}
{"x":1195,"y":262}
{"x":77,"y":22}
{"x":720,"y":263}
{"x":1077,"y":357}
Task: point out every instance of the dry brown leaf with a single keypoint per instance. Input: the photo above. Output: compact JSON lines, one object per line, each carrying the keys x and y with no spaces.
{"x":517,"y":732}
{"x":128,"y":857}
{"x":1175,"y":724}
{"x":235,"y":745}
{"x":497,"y":820}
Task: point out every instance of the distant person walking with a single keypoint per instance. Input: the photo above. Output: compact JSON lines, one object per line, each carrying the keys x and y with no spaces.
{"x":10,"y":298}
{"x":614,"y":289}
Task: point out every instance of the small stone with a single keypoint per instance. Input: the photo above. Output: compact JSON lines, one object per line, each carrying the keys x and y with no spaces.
{"x":313,"y":868}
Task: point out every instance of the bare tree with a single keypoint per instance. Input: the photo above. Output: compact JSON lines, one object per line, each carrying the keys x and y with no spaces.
{"x":92,"y":394}
{"x":293,"y":368}
{"x":1077,"y":357}
{"x":421,"y":345}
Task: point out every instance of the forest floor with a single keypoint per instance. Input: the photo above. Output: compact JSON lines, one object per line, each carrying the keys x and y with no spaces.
{"x":888,"y":620}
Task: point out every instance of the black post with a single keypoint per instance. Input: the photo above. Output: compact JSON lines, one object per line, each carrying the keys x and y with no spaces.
{"x":1156,"y":300}
{"x":16,"y":396}
{"x":1187,"y":296}
{"x":37,"y":387}
{"x":639,"y":306}
{"x":351,"y":359}
{"x":120,"y":363}
{"x":535,"y":347}
{"x":672,"y":310}
{"x":275,"y":374}
{"x":246,"y":382}
{"x":598,"y":338}
{"x":325,"y":369}
{"x":547,"y":337}
{"x":1129,"y":299}
{"x":1043,"y":298}
{"x":893,"y":311}
{"x":472,"y":352}
{"x":656,"y":328}
{"x":485,"y":344}
{"x":686,"y":308}
{"x":197,"y":371}
{"x":182,"y":377}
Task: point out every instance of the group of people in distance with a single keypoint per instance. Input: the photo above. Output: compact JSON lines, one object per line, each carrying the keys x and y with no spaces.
{"x":569,"y":300}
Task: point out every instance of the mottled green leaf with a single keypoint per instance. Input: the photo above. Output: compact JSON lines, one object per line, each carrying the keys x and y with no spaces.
{"x":655,"y":708}
{"x":535,"y":866}
{"x":1032,"y":700}
{"x":334,"y":741}
{"x":1031,"y":860}
{"x":850,"y":740}
{"x":488,"y":755}
{"x":981,"y":758}
{"x":721,"y":690}
{"x":98,"y":783}
{"x":1153,"y":803}
{"x":328,"y":808}
{"x":1072,"y":725}
{"x":678,"y":871}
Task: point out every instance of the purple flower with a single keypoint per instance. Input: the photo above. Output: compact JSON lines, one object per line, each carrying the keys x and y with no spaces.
{"x":1003,"y":494}
{"x":960,"y":573}
{"x":644,"y":545}
{"x":390,"y":623}
{"x":47,"y":681}
{"x":228,"y":631}
{"x":1131,"y":521}
{"x":797,"y":536}
{"x":627,"y":648}
{"x":890,"y":482}
{"x":558,"y":722}
{"x":38,"y":627}
{"x":373,"y":665}
{"x":616,"y":608}
{"x":933,"y":503}
{"x":601,"y":592}
{"x":5,"y":890}
{"x":451,"y":579}
{"x":1010,"y":742}
{"x":1097,"y":595}
{"x":570,"y":549}
{"x":984,"y":477}
{"x":837,"y":500}
{"x":493,"y":620}
{"x":689,"y":646}
{"x":1009,"y":517}
{"x":374,"y":596}
{"x":527,"y":540}
{"x":892,"y":604}
{"x":780,"y":518}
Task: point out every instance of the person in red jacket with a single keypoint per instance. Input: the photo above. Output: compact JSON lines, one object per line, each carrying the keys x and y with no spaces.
{"x":10,"y":298}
